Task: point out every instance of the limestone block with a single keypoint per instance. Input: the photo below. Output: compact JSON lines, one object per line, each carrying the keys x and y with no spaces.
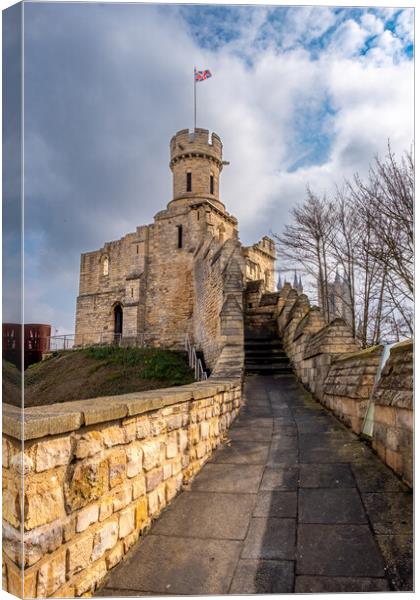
{"x":153,"y":503}
{"x":117,"y":467}
{"x":157,"y":425}
{"x":51,"y":575}
{"x":127,"y":521}
{"x":182,"y":440}
{"x":87,"y":516}
{"x":5,"y":453}
{"x":21,"y":463}
{"x":113,"y":436}
{"x":106,"y":508}
{"x":151,"y":455}
{"x":139,"y":487}
{"x":174,"y":422}
{"x":171,"y":449}
{"x":122,"y":497}
{"x":142,"y":517}
{"x":153,"y":479}
{"x":89,"y":580}
{"x":385,"y":414}
{"x":69,"y":527}
{"x":89,"y":444}
{"x":129,"y":429}
{"x":10,"y":498}
{"x":52,"y":453}
{"x":130,"y":540}
{"x":200,"y":449}
{"x":404,"y":419}
{"x":143,"y":428}
{"x":88,"y":480}
{"x":44,"y":501}
{"x":105,"y":538}
{"x":167,"y":471}
{"x":114,"y":557}
{"x":134,"y":459}
{"x":79,"y":553}
{"x":204,"y":430}
{"x":194,"y":434}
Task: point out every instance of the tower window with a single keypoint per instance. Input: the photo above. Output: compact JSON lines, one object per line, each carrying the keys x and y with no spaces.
{"x":211,"y":184}
{"x":189,"y":182}
{"x":105,"y":266}
{"x":179,"y":227}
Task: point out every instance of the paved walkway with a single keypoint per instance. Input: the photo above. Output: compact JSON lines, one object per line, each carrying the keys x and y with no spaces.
{"x":293,"y":503}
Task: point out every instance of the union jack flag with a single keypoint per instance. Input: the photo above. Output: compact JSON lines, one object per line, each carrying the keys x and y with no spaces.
{"x":202,"y":75}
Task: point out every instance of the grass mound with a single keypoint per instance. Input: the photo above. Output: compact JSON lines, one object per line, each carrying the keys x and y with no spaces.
{"x":103,"y":371}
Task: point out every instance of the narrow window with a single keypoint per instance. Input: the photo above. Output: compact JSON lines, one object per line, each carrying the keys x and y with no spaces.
{"x":189,"y":182}
{"x":132,"y":292}
{"x":179,"y":227}
{"x":137,"y":248}
{"x":105,"y":270}
{"x":211,"y":184}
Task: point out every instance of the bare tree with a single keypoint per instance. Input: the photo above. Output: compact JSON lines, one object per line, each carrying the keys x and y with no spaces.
{"x":366,"y":234}
{"x":307,"y":241}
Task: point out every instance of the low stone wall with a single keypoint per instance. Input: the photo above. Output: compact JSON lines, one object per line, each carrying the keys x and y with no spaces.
{"x":349,"y":384}
{"x":329,"y":362}
{"x":95,"y":474}
{"x":393,"y":417}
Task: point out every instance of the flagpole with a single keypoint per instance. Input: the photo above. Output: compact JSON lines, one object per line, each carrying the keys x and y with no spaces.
{"x":195,"y":100}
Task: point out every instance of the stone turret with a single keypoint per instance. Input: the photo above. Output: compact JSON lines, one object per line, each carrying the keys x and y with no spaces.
{"x":196,"y":163}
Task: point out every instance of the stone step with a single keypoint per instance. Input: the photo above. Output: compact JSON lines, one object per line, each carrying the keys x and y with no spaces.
{"x":266,"y":358}
{"x":269,"y":368}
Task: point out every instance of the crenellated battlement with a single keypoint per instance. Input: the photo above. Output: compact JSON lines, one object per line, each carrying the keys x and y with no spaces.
{"x":186,"y":143}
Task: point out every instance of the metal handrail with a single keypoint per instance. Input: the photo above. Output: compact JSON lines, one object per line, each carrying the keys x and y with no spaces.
{"x":73,"y":341}
{"x":195,"y":362}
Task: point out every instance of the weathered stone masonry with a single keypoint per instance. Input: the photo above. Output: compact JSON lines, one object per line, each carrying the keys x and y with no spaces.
{"x":96,"y":473}
{"x":163,"y":278}
{"x":329,"y":362}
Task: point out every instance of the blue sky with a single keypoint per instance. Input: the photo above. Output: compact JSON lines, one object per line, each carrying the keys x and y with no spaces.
{"x":299,"y":95}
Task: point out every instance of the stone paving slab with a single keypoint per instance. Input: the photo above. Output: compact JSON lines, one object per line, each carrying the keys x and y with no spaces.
{"x":263,"y":577}
{"x":176,"y":565}
{"x":338,"y":551}
{"x":326,"y":476}
{"x":251,"y":453}
{"x":228,"y":477}
{"x":280,"y":478}
{"x":207,"y":515}
{"x":331,"y":506}
{"x":318,"y":585}
{"x":293,"y":502}
{"x":390,"y":512}
{"x":276,"y":504}
{"x":270,"y":538}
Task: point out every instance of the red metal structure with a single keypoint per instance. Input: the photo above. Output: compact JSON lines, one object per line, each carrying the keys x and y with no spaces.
{"x":36,"y":337}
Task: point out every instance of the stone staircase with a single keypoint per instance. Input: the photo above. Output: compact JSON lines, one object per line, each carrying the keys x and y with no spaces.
{"x":264,"y":353}
{"x":265,"y":356}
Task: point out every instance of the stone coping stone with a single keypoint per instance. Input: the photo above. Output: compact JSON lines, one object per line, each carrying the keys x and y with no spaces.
{"x":366,"y":353}
{"x":402,"y":346}
{"x":61,"y":417}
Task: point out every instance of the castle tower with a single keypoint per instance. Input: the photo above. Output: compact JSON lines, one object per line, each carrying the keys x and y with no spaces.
{"x":196,"y":163}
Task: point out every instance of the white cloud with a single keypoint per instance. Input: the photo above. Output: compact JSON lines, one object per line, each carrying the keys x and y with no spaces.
{"x":117,"y":86}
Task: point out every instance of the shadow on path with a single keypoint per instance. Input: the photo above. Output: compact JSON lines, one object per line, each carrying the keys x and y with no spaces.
{"x":293,"y":502}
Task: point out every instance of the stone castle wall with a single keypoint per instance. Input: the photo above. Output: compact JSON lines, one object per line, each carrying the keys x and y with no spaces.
{"x":96,"y":473}
{"x":393,"y":425}
{"x":169,"y":277}
{"x":330,"y":363}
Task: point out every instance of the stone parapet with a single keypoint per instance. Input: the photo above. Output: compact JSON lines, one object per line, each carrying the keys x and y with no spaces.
{"x":349,"y":384}
{"x":90,"y":476}
{"x":393,"y":418}
{"x":329,"y":362}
